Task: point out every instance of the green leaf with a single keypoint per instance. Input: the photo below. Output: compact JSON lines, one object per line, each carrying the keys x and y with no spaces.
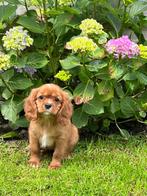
{"x":40,"y":42}
{"x":80,"y":118}
{"x":54,"y":12}
{"x":84,"y":91}
{"x":103,"y":74}
{"x":94,"y":106}
{"x":6,"y":94}
{"x":115,"y":105}
{"x":124,"y":133}
{"x":20,"y":61}
{"x":119,"y":90}
{"x":137,"y":8}
{"x":105,"y":89}
{"x":142,"y":114}
{"x":6,"y":11}
{"x":9,"y":135}
{"x":7,"y":75}
{"x":36,"y":60}
{"x":70,"y":62}
{"x":132,"y":86}
{"x":128,"y":107}
{"x":114,"y":21}
{"x":142,"y":78}
{"x":130,"y":76}
{"x":106,"y":123}
{"x":98,"y":53}
{"x":14,"y":2}
{"x":96,"y":65}
{"x":19,"y":101}
{"x":115,"y":71}
{"x":21,"y":122}
{"x":61,"y":24}
{"x":83,"y":75}
{"x":31,"y":24}
{"x":143,"y":97}
{"x":82,"y":4}
{"x":9,"y":111}
{"x":72,"y":10}
{"x":20,"y":82}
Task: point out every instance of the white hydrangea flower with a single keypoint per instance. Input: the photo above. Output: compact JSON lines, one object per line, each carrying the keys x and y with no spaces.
{"x":17,"y":39}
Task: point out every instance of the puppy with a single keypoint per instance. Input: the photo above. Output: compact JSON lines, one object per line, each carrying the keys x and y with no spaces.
{"x":49,"y":111}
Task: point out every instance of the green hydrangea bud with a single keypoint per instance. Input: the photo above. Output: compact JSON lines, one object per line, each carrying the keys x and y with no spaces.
{"x":63,"y":75}
{"x":4,"y":61}
{"x":81,"y":45}
{"x":143,"y":51}
{"x":91,"y":26}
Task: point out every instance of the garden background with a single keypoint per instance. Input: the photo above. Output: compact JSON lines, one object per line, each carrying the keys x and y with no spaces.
{"x":95,"y":49}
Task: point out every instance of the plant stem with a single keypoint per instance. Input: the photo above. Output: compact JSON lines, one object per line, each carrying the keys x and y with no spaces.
{"x":26,"y":6}
{"x":46,"y":20}
{"x":56,"y":4}
{"x":119,"y":128}
{"x":123,"y":20}
{"x":87,"y":72}
{"x":94,"y":9}
{"x":119,"y":3}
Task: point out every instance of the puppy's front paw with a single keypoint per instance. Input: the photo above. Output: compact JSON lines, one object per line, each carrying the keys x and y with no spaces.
{"x":54,"y":164}
{"x":34,"y":162}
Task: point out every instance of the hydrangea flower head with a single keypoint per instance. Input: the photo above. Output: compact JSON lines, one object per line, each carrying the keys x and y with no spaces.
{"x":122,"y":47}
{"x":143,"y":51}
{"x":17,"y":39}
{"x":4,"y":61}
{"x":27,"y":69}
{"x":81,"y":45}
{"x":63,"y":75}
{"x":90,"y":26}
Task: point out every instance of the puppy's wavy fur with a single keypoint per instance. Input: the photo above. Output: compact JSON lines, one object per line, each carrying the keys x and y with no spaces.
{"x":49,"y":110}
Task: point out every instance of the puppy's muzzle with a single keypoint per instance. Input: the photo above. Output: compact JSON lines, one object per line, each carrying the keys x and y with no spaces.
{"x":48,"y":106}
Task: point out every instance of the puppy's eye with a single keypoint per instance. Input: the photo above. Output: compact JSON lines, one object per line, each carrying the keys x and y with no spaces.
{"x":57,"y":99}
{"x":41,"y":97}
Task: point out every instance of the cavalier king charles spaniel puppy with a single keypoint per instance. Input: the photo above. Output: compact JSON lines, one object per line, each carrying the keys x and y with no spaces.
{"x":49,"y":110}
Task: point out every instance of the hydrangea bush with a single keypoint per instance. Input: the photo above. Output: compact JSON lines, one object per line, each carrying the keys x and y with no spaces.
{"x":72,"y":44}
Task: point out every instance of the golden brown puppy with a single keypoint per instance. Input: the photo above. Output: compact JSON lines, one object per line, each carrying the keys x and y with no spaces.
{"x":49,"y":111}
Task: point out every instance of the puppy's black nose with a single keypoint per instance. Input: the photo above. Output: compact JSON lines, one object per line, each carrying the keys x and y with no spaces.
{"x":48,"y":106}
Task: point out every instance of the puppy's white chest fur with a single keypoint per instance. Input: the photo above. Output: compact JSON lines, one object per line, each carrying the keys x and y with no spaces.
{"x":46,"y":141}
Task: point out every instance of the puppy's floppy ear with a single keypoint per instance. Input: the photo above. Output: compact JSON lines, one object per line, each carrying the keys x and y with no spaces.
{"x":30,"y":107}
{"x":65,"y":113}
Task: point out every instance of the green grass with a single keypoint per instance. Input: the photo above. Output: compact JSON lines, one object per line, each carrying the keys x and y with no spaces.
{"x":109,"y":166}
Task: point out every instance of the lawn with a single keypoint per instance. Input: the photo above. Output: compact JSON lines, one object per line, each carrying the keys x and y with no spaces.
{"x":108,"y":166}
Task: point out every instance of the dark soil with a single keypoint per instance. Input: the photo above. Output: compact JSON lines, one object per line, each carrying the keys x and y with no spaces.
{"x":132,"y":127}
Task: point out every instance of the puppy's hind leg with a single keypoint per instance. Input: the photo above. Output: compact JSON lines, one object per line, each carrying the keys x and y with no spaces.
{"x":74,"y":138}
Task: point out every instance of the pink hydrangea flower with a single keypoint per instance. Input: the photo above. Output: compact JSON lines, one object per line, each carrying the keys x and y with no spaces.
{"x":122,"y":47}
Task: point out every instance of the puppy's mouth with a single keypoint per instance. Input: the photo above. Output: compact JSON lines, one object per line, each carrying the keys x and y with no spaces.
{"x":47,"y":113}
